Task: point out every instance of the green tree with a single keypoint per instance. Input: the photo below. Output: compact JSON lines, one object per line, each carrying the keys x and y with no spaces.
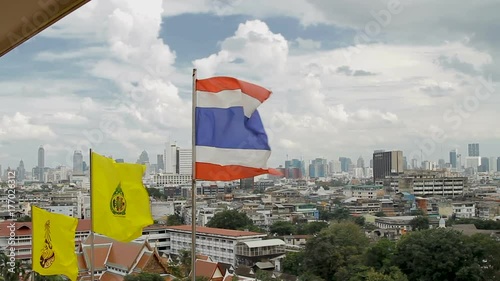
{"x":334,"y":249}
{"x":440,"y":254}
{"x":340,"y":214}
{"x":154,"y":192}
{"x":185,"y":262}
{"x":144,"y":276}
{"x":315,"y":227}
{"x":419,"y":223}
{"x":370,"y":274}
{"x":262,"y":275}
{"x":10,"y":270}
{"x":174,"y":220}
{"x":293,"y":263}
{"x":380,"y":214}
{"x":282,"y":228}
{"x":24,"y":219}
{"x":360,"y":220}
{"x":380,"y":255}
{"x":486,"y":252}
{"x":231,"y":219}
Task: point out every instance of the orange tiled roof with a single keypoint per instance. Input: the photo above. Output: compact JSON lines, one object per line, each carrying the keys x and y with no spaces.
{"x":205,"y":268}
{"x":100,"y":253}
{"x":121,"y":254}
{"x":24,"y":228}
{"x":215,"y":231}
{"x":108,"y":276}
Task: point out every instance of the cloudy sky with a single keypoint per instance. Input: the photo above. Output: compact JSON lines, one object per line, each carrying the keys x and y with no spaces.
{"x":347,"y":77}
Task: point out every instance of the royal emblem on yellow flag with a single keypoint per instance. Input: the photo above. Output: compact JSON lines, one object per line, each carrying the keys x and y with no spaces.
{"x":120,"y":202}
{"x":53,"y":251}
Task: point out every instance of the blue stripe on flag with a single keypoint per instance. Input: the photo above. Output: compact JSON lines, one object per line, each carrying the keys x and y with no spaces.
{"x":230,"y":128}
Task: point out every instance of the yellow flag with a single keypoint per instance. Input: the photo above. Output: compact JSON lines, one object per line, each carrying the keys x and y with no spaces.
{"x":120,"y":202}
{"x":53,"y":251}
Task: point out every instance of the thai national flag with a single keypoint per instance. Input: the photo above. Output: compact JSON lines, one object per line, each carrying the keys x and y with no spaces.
{"x":231,"y":142}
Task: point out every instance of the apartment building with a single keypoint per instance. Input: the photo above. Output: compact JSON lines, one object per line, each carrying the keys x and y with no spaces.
{"x":155,"y":235}
{"x":224,"y":245}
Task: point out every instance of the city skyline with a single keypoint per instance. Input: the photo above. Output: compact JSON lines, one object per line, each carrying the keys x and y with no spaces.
{"x":153,"y":157}
{"x":347,"y":78}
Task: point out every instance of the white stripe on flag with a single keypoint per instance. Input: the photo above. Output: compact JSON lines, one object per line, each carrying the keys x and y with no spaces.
{"x":227,"y":99}
{"x":253,"y":158}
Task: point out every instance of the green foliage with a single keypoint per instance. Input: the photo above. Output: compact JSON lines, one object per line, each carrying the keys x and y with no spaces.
{"x":380,"y":214}
{"x":262,"y":275}
{"x":9,"y":271}
{"x":231,"y":219}
{"x":334,"y":249}
{"x":480,"y":224}
{"x":293,"y":263}
{"x":155,"y":193}
{"x":380,"y":255}
{"x":281,"y":228}
{"x":143,"y":276}
{"x":419,"y":223}
{"x":174,"y":220}
{"x":360,"y":220}
{"x":24,"y":219}
{"x":443,"y":254}
{"x":370,"y":274}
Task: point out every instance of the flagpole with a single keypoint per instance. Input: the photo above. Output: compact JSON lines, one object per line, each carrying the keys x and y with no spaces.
{"x":32,"y":252}
{"x":91,"y":221}
{"x":193,"y":182}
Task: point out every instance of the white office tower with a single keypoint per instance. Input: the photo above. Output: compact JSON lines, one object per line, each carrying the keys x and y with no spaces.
{"x":334,"y":167}
{"x":170,"y":158}
{"x":473,"y":162}
{"x":185,"y":161}
{"x":493,"y":164}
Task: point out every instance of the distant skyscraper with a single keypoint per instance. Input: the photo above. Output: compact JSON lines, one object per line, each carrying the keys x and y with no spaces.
{"x":119,"y":160}
{"x":441,"y":163}
{"x":405,"y":163}
{"x":41,"y":164}
{"x":345,"y":163}
{"x":185,"y":161}
{"x":361,"y":162}
{"x":143,"y":158}
{"x":20,"y":173}
{"x":498,"y":164}
{"x":485,"y":165}
{"x":453,"y":158}
{"x":473,"y":150}
{"x":77,"y":163}
{"x":318,"y":168}
{"x":159,"y":162}
{"x":389,"y":163}
{"x":170,"y":158}
{"x":493,"y":164}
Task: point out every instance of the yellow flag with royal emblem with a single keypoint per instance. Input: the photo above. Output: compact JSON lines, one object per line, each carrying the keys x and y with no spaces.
{"x":53,"y":246}
{"x":120,"y":202}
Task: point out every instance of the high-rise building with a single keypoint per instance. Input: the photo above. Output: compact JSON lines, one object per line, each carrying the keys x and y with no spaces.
{"x":77,"y":163}
{"x":360,"y":163}
{"x":485,"y":165}
{"x":294,"y":169}
{"x":345,"y":163}
{"x":386,"y":164}
{"x":159,"y":162}
{"x":493,"y":164}
{"x":453,"y":158}
{"x":184,"y":161}
{"x":143,"y":158}
{"x":498,"y":164}
{"x":473,"y":149}
{"x":20,"y":173}
{"x":318,"y":168}
{"x":170,"y":158}
{"x":119,"y":160}
{"x":41,"y":164}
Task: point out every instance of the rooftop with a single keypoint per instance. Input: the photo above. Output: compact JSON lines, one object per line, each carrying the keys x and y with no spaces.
{"x":216,"y":231}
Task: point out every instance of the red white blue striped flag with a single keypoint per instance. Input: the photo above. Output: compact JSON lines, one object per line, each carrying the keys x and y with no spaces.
{"x":231,"y":142}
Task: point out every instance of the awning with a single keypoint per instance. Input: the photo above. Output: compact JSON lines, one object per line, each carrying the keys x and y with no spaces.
{"x":22,"y":19}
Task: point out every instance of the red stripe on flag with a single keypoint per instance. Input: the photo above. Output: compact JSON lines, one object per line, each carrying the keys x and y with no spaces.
{"x":214,"y":172}
{"x":217,"y":84}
